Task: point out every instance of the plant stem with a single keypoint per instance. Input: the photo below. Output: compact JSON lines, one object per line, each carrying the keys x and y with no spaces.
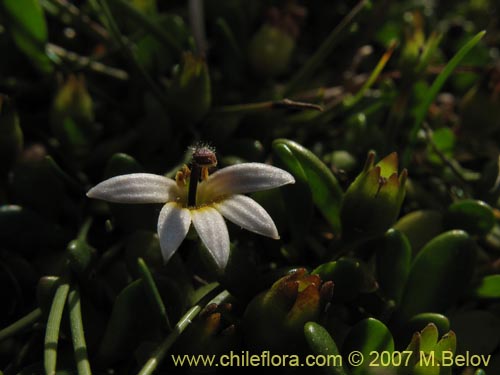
{"x":20,"y":325}
{"x":77,"y":333}
{"x":52,"y":329}
{"x":84,"y":229}
{"x":266,"y":106}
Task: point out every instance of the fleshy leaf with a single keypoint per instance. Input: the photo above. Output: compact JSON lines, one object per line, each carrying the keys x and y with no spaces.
{"x":439,"y":274}
{"x":326,"y":191}
{"x":367,"y":336}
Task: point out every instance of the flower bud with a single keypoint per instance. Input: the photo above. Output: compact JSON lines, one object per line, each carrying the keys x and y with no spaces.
{"x":274,"y":320}
{"x":372,"y":202}
{"x":80,"y":256}
{"x":271,"y":47}
{"x":270,"y":50}
{"x":11,"y":136}
{"x":189,"y":93}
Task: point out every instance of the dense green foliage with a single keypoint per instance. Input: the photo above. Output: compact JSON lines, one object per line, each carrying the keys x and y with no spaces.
{"x":387,"y":114}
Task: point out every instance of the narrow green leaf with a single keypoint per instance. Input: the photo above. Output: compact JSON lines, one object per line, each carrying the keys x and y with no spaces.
{"x":438,"y":83}
{"x":326,"y":191}
{"x":29,"y":30}
{"x":157,"y":357}
{"x":77,"y":333}
{"x":350,"y":101}
{"x":153,"y":293}
{"x":324,"y":50}
{"x":144,"y":22}
{"x":52,"y":329}
{"x":20,"y":325}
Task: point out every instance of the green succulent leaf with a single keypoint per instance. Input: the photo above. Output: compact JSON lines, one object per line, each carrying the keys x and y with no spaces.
{"x":429,"y":338}
{"x":488,"y":287}
{"x":367,"y":336}
{"x":326,"y":191}
{"x":474,"y":216}
{"x":321,"y":343}
{"x":346,"y":274}
{"x":439,"y":274}
{"x":420,"y":321}
{"x":393,"y":263}
{"x":420,"y":227}
{"x":298,"y":196}
{"x":132,"y":310}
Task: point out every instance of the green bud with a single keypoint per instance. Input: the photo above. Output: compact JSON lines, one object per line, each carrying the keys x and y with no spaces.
{"x":372,"y":202}
{"x":189,"y":94}
{"x":274,"y":320}
{"x":72,"y":117}
{"x":80,"y":256}
{"x":11,"y":136}
{"x":270,"y":50}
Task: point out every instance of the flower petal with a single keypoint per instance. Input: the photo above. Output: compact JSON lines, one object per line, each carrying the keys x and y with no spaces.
{"x":244,"y":178}
{"x":248,"y":214}
{"x":173,"y":225}
{"x":134,"y":188}
{"x":212,"y":230}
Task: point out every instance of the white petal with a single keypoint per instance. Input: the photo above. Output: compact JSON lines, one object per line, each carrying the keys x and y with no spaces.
{"x":173,"y":225}
{"x":212,"y":230}
{"x":248,"y":214}
{"x":245,"y":178}
{"x":134,"y":188}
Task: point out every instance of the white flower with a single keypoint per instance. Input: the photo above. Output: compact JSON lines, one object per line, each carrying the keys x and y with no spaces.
{"x":218,"y":195}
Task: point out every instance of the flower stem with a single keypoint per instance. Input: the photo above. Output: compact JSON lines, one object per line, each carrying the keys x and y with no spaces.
{"x":193,"y":184}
